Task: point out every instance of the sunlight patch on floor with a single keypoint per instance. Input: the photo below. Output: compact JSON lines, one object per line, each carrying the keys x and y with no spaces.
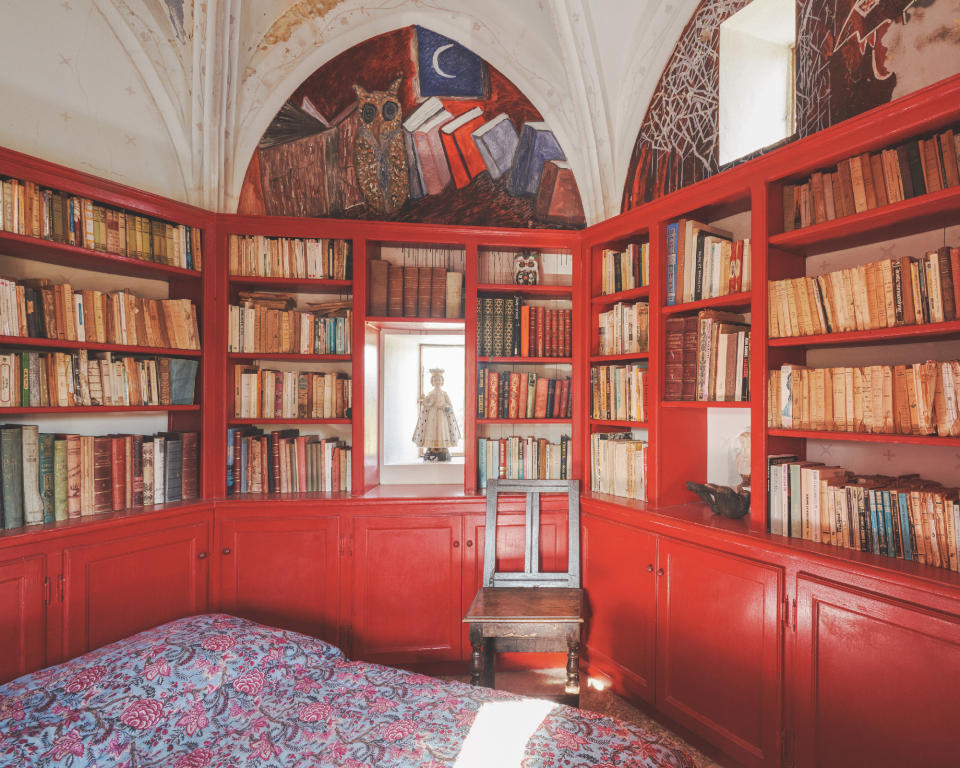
{"x":500,"y":733}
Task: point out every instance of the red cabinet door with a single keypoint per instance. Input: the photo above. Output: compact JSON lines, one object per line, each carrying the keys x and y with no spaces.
{"x":406,"y":588}
{"x":719,"y":645}
{"x":118,"y":585}
{"x":21,"y":616}
{"x":282,"y":570}
{"x":619,"y":577}
{"x":876,"y":681}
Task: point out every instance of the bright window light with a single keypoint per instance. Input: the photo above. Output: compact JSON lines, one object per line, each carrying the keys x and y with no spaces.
{"x":757,"y":77}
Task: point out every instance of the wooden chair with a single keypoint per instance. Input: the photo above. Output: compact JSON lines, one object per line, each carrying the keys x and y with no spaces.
{"x":528,"y":610}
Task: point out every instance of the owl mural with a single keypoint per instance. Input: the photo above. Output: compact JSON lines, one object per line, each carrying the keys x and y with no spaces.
{"x":379,"y":156}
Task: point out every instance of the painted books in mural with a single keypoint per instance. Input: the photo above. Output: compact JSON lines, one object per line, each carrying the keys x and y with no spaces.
{"x":462,"y":154}
{"x":558,"y":199}
{"x":426,"y":111}
{"x":537,"y":146}
{"x":431,"y":157}
{"x":496,"y":141}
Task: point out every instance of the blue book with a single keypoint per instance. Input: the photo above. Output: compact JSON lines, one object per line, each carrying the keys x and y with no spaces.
{"x":888,"y":524}
{"x":482,"y":462}
{"x":183,"y":379}
{"x":876,"y":522}
{"x":906,"y":534}
{"x":497,"y":143}
{"x":537,"y":146}
{"x":230,"y":433}
{"x":244,"y":448}
{"x":673,"y":233}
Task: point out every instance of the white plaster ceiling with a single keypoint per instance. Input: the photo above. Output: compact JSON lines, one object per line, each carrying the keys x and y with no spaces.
{"x":172,"y":95}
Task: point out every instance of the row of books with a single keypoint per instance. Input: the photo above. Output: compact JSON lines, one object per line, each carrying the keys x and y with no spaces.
{"x":624,"y":328}
{"x":316,"y":258}
{"x":618,"y":465}
{"x":69,"y":379}
{"x":624,"y":270}
{"x":905,"y":517}
{"x":522,"y":458}
{"x":255,"y":328}
{"x":29,"y":209}
{"x":917,"y":399}
{"x":618,"y":392}
{"x":512,"y":327}
{"x":512,"y":395}
{"x":264,"y":393}
{"x":410,"y":291}
{"x":704,"y":261}
{"x":707,"y":357}
{"x":48,"y":477}
{"x":41,"y":310}
{"x":868,"y":181}
{"x":881,"y":294}
{"x":284,"y":461}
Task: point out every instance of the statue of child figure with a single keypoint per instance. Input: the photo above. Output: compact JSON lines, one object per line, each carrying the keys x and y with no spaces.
{"x":437,"y":430}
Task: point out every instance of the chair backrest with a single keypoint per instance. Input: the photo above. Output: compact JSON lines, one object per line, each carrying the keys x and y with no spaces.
{"x":531,"y":576}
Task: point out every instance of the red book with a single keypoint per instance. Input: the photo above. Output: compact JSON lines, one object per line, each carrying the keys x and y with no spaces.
{"x":503,"y":457}
{"x":118,"y":470}
{"x":302,"y":463}
{"x":493,"y":394}
{"x":568,"y":333}
{"x":522,"y":396}
{"x":533,"y":332}
{"x":335,"y":470}
{"x":513,"y":403}
{"x":540,"y":399}
{"x":524,"y":331}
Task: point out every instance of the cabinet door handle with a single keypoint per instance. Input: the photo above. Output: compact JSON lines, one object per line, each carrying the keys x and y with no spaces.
{"x":650,"y":568}
{"x":660,"y":571}
{"x":226,"y":550}
{"x":202,"y":556}
{"x":469,"y":542}
{"x":456,"y":544}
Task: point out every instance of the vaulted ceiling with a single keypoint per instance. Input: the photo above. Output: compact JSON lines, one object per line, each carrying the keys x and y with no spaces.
{"x":173,"y":95}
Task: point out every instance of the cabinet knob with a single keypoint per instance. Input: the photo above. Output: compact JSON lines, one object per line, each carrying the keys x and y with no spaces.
{"x":456,"y":544}
{"x":202,"y":556}
{"x":469,"y":542}
{"x":226,"y":550}
{"x":650,"y":568}
{"x":660,"y":571}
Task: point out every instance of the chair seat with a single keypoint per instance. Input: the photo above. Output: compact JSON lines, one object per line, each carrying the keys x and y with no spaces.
{"x":526,"y":605}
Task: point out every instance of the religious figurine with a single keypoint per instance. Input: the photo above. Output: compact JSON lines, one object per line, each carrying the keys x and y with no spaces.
{"x":741,"y":452}
{"x":437,"y":429}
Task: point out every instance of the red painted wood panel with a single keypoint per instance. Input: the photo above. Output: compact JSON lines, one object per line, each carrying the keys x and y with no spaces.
{"x":21,"y":616}
{"x":718,"y":649}
{"x":116,"y":586}
{"x":406,"y":588}
{"x":619,"y":577}
{"x":283,"y":571}
{"x":877,"y":682}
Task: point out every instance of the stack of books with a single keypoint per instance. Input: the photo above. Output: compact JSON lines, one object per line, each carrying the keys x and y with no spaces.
{"x":296,"y":257}
{"x":704,"y":262}
{"x":512,"y":395}
{"x":414,"y":291}
{"x":905,"y":517}
{"x":284,"y":461}
{"x":624,"y":270}
{"x":708,"y":357}
{"x":917,"y":399}
{"x":867,"y":181}
{"x":263,"y":393}
{"x":82,"y":378}
{"x":522,"y":458}
{"x":269,"y":323}
{"x":618,"y":465}
{"x":512,"y":327}
{"x":881,"y":294}
{"x":623,"y":329}
{"x":48,"y":477}
{"x":29,"y":209}
{"x":38,"y":309}
{"x":618,"y":392}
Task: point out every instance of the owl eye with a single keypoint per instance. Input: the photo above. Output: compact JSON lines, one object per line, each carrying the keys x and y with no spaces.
{"x":368,"y":112}
{"x":390,"y":109}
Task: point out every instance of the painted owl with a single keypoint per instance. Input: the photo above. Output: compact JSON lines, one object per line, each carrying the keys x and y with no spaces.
{"x":379,"y":156}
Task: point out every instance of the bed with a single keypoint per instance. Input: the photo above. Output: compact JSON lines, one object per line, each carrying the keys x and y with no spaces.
{"x":217,"y":691}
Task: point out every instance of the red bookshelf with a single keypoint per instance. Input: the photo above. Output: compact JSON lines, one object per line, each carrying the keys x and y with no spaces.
{"x":625,"y":357}
{"x":927,"y":332}
{"x":732,"y":301}
{"x":27,"y":342}
{"x":612,"y":298}
{"x":534,"y":291}
{"x":866,"y":437}
{"x":291,"y":421}
{"x":99,"y":409}
{"x":290,"y":284}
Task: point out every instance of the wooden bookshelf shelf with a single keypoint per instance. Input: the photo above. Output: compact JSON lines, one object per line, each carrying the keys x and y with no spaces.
{"x":38,"y":249}
{"x":730,"y":301}
{"x":534,"y":291}
{"x":619,"y":423}
{"x":917,"y":214}
{"x":866,"y":437}
{"x":704,"y":404}
{"x":625,"y":357}
{"x":287,"y":356}
{"x":299,"y":284}
{"x":523,"y":421}
{"x":407,"y":322}
{"x":528,"y":360}
{"x":235,"y":421}
{"x":100,"y":409}
{"x":612,"y":298}
{"x":27,"y":342}
{"x":928,"y":331}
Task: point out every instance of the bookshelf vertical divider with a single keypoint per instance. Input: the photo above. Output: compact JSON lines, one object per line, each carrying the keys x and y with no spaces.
{"x":213,"y":366}
{"x":365,"y":375}
{"x":470,"y":280}
{"x":655,"y":387}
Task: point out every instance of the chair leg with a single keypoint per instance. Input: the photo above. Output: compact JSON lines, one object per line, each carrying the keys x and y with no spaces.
{"x":489,"y":648}
{"x":476,"y":657}
{"x":573,"y":668}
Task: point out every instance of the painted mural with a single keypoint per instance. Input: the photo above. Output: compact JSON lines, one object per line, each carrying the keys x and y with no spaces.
{"x":851,"y":56}
{"x":412,"y":126}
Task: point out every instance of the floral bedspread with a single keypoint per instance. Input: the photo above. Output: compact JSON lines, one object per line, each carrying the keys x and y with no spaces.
{"x":220,"y":691}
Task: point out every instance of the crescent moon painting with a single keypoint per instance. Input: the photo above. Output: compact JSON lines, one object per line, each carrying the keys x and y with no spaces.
{"x":436,"y":60}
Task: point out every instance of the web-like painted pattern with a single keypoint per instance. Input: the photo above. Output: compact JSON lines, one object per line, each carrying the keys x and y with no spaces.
{"x":815,"y":20}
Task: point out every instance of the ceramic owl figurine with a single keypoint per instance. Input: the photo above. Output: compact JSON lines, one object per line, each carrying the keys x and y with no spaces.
{"x":379,"y":156}
{"x":526,"y":268}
